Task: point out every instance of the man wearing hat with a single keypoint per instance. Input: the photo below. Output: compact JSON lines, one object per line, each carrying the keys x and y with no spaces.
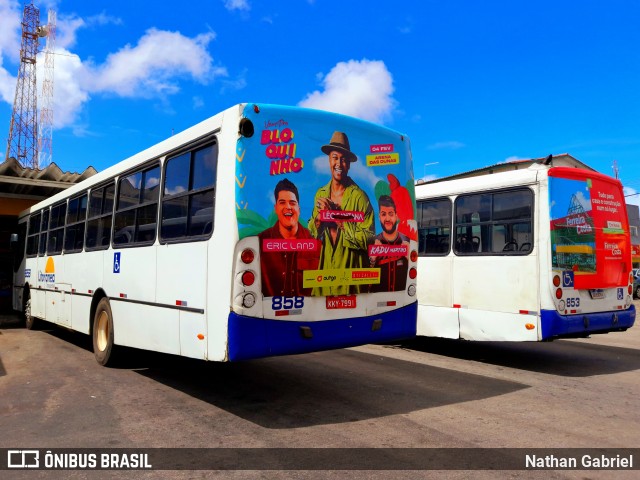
{"x":342,"y":217}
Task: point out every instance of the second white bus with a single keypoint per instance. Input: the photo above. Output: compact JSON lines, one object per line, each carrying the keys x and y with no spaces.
{"x":527,"y":255}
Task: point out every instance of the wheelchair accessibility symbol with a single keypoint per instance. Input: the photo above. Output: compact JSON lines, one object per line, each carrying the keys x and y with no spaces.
{"x":116,"y":262}
{"x":620,"y":294}
{"x":567,"y":278}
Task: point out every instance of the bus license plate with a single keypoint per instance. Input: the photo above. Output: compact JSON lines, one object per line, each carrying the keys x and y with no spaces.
{"x":597,"y":293}
{"x":341,"y":301}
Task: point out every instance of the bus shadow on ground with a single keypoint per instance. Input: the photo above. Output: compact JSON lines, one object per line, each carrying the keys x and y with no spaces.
{"x":560,"y":357}
{"x":331,"y":387}
{"x":320,"y":388}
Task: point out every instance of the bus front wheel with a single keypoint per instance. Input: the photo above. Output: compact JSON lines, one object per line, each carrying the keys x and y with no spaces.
{"x":29,"y":320}
{"x":103,"y":333}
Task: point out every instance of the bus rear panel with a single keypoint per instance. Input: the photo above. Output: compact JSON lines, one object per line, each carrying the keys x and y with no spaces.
{"x":327,"y":250}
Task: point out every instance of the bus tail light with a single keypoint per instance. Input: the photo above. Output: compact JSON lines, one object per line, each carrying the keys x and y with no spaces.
{"x":630,"y":289}
{"x":556,"y":281}
{"x":411,"y":290}
{"x":413,"y":273}
{"x":248,"y":300}
{"x":248,"y":278}
{"x":558,"y":293}
{"x":414,"y":256}
{"x":247,"y":256}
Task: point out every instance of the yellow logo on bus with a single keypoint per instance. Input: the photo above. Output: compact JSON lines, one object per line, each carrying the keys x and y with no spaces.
{"x":50,"y":267}
{"x":49,"y":275}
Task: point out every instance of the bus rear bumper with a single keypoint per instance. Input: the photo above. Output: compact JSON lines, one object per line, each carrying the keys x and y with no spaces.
{"x":251,"y":337}
{"x":554,"y":325}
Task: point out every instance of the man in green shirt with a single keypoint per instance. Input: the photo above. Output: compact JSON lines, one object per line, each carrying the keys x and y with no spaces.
{"x":342,"y":218}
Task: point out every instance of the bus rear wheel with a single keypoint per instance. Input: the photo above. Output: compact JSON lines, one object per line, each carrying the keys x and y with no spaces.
{"x":103,"y":333}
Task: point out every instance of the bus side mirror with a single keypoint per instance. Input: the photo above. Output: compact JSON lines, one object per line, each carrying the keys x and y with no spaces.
{"x":13,"y":242}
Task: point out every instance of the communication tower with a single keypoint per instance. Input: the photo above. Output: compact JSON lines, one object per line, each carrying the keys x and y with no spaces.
{"x":23,"y":131}
{"x":46,"y":110}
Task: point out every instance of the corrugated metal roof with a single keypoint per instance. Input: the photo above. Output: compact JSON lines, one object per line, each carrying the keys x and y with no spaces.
{"x":16,"y":180}
{"x":562,"y":159}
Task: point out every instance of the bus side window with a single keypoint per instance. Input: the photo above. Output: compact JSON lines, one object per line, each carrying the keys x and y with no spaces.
{"x":188,"y":195}
{"x":100,"y":212}
{"x":502,"y":223}
{"x":33,"y":237}
{"x":434,"y":226}
{"x":74,"y":230}
{"x":44,"y":228}
{"x":56,"y":228}
{"x":137,"y":208}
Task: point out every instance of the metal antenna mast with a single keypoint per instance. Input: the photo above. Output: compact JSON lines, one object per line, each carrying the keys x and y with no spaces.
{"x":23,"y":132}
{"x":46,"y":110}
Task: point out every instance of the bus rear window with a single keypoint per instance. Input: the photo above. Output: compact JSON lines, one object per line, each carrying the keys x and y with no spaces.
{"x":589,"y":229}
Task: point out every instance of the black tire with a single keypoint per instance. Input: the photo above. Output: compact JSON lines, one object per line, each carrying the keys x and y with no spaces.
{"x":103,"y":347}
{"x":30,"y":322}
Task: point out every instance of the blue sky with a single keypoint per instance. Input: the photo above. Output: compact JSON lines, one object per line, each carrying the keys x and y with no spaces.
{"x":471,"y":83}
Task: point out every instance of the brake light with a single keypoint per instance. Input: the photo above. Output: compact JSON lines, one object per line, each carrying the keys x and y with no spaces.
{"x":556,"y":281}
{"x":630,"y":289}
{"x":248,"y":278}
{"x":558,"y":293}
{"x":247,"y":256}
{"x":413,"y":273}
{"x":414,"y":256}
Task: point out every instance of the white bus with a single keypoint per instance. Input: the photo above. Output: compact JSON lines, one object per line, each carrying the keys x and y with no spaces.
{"x":221,"y":243}
{"x":527,"y":255}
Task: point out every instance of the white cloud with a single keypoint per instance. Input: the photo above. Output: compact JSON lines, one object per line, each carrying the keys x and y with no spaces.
{"x":237,"y":5}
{"x":358,"y":88}
{"x":67,"y":27}
{"x":10,"y":28}
{"x":583,"y":201}
{"x":69,"y":91}
{"x":451,"y":145}
{"x":151,"y":67}
{"x":10,"y":18}
{"x":514,"y":158}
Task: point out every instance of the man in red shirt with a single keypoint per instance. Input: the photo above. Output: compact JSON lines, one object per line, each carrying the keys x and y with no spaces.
{"x":389,"y":250}
{"x":287,"y":248}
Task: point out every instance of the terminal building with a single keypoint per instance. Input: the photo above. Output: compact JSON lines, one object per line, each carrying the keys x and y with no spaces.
{"x":21,"y":188}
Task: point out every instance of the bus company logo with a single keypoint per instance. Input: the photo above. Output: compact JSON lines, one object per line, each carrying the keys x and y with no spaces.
{"x":23,"y":459}
{"x":49,"y":275}
{"x":581,"y":224}
{"x":325,"y":278}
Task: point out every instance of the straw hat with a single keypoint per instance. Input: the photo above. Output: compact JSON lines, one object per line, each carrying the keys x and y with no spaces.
{"x":340,"y":142}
